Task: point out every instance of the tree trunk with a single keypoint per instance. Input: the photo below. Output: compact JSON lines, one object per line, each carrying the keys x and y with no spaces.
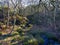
{"x":8,"y":14}
{"x":54,"y":18}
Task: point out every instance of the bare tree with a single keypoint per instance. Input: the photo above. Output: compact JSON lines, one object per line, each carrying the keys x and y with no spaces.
{"x":15,"y":5}
{"x":54,"y":4}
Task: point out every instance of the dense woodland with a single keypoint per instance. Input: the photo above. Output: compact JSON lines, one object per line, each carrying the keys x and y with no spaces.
{"x":34,"y":23}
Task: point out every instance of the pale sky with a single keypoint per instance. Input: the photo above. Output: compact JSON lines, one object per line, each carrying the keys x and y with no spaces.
{"x":27,"y":2}
{"x":24,"y":2}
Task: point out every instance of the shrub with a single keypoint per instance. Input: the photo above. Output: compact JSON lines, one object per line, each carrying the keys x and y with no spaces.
{"x":0,"y":44}
{"x":0,"y":33}
{"x":13,"y":40}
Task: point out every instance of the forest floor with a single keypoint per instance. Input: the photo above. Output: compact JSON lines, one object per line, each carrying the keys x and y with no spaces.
{"x":6,"y":40}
